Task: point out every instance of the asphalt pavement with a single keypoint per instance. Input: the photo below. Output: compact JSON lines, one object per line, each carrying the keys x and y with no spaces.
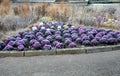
{"x":93,"y":64}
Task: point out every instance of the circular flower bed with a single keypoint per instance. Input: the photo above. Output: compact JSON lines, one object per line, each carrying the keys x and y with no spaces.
{"x":49,"y":36}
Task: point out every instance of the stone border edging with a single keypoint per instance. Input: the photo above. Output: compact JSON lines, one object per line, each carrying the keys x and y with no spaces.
{"x":81,"y":50}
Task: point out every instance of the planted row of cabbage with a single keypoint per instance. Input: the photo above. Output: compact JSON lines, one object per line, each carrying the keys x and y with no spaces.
{"x":57,"y":36}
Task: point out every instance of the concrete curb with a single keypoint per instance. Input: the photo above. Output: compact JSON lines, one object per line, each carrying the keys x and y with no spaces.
{"x":11,"y":53}
{"x":70,"y":51}
{"x":39,"y":52}
{"x":81,"y":50}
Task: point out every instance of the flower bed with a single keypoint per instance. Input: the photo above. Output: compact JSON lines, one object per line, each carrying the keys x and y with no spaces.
{"x":57,"y":35}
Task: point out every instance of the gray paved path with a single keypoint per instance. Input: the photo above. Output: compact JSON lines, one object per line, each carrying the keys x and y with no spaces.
{"x":96,"y":64}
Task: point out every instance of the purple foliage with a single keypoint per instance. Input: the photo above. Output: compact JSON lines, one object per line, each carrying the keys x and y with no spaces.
{"x":91,"y":36}
{"x":50,"y":38}
{"x":66,"y":31}
{"x":8,"y":48}
{"x":67,"y":35}
{"x":58,"y":32}
{"x":33,"y":41}
{"x":47,"y":47}
{"x":86,"y":42}
{"x":48,"y":33}
{"x":112,"y":40}
{"x":45,"y":41}
{"x":98,"y":35}
{"x":39,"y":33}
{"x":74,"y":37}
{"x":2,"y":45}
{"x":20,"y":42}
{"x":55,"y":43}
{"x":59,"y":38}
{"x":20,"y":47}
{"x":59,"y":45}
{"x":103,"y":40}
{"x":79,"y":40}
{"x":12,"y":43}
{"x":40,"y":38}
{"x":94,"y":42}
{"x":85,"y":38}
{"x":81,"y":31}
{"x":36,"y":45}
{"x":72,"y":45}
{"x":82,"y":35}
{"x":67,"y":41}
{"x":73,"y":31}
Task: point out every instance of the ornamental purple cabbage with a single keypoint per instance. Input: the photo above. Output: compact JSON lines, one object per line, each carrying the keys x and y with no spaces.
{"x":20,"y":42}
{"x":18,"y":38}
{"x":73,"y":31}
{"x":67,"y":35}
{"x":33,"y":41}
{"x":118,"y":39}
{"x":25,"y":40}
{"x":82,"y":35}
{"x":72,"y":45}
{"x":59,"y":38}
{"x":47,"y":47}
{"x":9,"y":39}
{"x":113,"y":34}
{"x":112,"y":40}
{"x":50,"y":38}
{"x":66,"y":31}
{"x":36,"y":45}
{"x":94,"y":42}
{"x":55,"y":43}
{"x":8,"y":48}
{"x":48,"y":33}
{"x":58,"y":32}
{"x":39,"y":33}
{"x":97,"y":38}
{"x":67,"y":41}
{"x":90,"y":33}
{"x":12,"y":43}
{"x":109,"y":35}
{"x":103,"y":40}
{"x":94,"y":31}
{"x":102,"y":33}
{"x":91,"y":36}
{"x":81,"y":31}
{"x":79,"y":40}
{"x":74,"y":36}
{"x":86,"y":42}
{"x":59,"y":45}
{"x":45,"y":41}
{"x":52,"y":31}
{"x":98,"y":35}
{"x":2,"y":45}
{"x":20,"y":47}
{"x":118,"y":35}
{"x":47,"y":26}
{"x":40,"y":38}
{"x":85,"y":38}
{"x":105,"y":36}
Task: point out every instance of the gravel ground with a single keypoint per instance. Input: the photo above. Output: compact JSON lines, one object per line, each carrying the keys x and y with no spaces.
{"x":94,"y":64}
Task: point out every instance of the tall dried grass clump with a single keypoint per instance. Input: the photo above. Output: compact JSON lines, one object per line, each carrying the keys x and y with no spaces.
{"x":60,"y":12}
{"x":5,"y":8}
{"x":40,"y":10}
{"x":22,"y":10}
